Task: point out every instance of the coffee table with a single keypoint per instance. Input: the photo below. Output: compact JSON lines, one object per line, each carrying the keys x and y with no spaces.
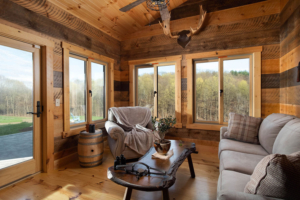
{"x":182,"y":150}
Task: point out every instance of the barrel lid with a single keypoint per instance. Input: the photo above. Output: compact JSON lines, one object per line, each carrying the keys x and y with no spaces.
{"x":97,"y":131}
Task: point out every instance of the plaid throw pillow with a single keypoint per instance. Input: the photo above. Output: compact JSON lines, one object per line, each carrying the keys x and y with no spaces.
{"x":276,"y":176}
{"x":243,"y":128}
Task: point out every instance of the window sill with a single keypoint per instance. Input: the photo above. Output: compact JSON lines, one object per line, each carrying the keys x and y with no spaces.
{"x":77,"y":130}
{"x":212,"y":127}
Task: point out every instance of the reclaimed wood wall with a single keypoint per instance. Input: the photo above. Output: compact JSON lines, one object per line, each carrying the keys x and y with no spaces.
{"x":236,"y":24}
{"x":42,"y":18}
{"x":290,"y":57}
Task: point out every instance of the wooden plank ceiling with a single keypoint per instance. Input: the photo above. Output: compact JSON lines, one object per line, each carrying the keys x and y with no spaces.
{"x":105,"y":14}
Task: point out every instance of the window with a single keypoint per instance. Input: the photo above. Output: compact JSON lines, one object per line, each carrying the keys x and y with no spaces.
{"x":222,"y":82}
{"x":78,"y":88}
{"x":222,"y":85}
{"x":87,"y":90}
{"x":155,"y":88}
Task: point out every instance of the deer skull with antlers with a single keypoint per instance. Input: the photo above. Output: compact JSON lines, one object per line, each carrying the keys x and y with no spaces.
{"x":184,"y":36}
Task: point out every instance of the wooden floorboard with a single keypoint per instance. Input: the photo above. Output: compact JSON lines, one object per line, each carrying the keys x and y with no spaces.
{"x":73,"y":182}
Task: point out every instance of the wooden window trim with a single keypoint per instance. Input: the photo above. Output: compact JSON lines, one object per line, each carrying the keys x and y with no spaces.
{"x":255,"y":79}
{"x":91,"y":57}
{"x":171,"y":59}
{"x":47,"y":47}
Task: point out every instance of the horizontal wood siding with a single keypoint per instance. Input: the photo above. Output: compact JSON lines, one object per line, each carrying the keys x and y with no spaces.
{"x":255,"y":29}
{"x":290,"y":57}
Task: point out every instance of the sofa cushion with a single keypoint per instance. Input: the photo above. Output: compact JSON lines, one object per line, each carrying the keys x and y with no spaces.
{"x":239,"y":162}
{"x":230,"y":187}
{"x":232,"y":181}
{"x":269,"y":129}
{"x":243,"y":128}
{"x":232,"y":145}
{"x":288,"y":139}
{"x":276,"y":176}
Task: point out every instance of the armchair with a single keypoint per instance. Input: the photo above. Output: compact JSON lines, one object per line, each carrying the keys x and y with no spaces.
{"x":116,"y":137}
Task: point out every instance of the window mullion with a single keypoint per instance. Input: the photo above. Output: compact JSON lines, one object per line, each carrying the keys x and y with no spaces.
{"x":155,"y":89}
{"x":89,"y":88}
{"x":221,"y":92}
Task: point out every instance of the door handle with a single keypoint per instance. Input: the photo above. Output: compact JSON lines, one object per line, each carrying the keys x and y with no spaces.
{"x":38,"y":106}
{"x":91,"y":92}
{"x":155,"y":93}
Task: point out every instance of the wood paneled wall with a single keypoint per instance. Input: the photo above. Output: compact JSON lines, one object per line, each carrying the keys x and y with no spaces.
{"x":290,"y":57}
{"x":47,"y":20}
{"x":256,"y":24}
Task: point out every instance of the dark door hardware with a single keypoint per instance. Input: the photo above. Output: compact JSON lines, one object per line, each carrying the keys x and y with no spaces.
{"x":155,"y":93}
{"x":38,"y":108}
{"x":90,"y":91}
{"x":221,"y":91}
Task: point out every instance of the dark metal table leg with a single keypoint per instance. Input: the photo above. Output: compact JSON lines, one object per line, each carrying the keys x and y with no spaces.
{"x":127,"y":194}
{"x":191,"y":166}
{"x":166,"y":194}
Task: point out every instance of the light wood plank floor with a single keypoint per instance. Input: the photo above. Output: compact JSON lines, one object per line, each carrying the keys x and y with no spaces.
{"x":73,"y":182}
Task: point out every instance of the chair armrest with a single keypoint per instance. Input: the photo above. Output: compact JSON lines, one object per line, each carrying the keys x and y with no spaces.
{"x":114,"y":130}
{"x":223,"y":130}
{"x":150,"y":125}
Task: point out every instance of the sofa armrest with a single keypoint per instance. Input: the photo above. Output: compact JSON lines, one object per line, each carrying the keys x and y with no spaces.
{"x":223,"y":130}
{"x":114,"y":131}
{"x":232,"y":195}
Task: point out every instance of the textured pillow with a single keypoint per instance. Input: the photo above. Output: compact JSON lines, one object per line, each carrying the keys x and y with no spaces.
{"x":276,"y":176}
{"x":269,"y":129}
{"x":243,"y":128}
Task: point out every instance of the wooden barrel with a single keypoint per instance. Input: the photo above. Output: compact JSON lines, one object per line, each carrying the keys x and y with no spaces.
{"x":90,"y":148}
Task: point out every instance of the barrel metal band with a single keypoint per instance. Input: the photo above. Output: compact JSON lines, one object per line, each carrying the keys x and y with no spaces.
{"x":90,"y":162}
{"x":90,"y":156}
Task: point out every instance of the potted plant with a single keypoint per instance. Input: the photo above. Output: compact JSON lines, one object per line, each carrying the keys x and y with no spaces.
{"x":162,"y":126}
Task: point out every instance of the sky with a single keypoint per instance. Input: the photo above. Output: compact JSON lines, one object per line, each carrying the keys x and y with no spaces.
{"x":161,"y":70}
{"x":77,"y":70}
{"x":236,"y":65}
{"x":16,"y":64}
{"x":228,"y":65}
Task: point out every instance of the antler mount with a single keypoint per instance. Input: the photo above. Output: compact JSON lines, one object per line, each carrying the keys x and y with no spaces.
{"x":184,"y":36}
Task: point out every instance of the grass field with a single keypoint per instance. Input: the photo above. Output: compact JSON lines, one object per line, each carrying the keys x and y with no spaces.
{"x":11,"y":124}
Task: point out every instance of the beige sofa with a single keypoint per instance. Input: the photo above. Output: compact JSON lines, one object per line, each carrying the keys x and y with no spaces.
{"x":278,"y":134}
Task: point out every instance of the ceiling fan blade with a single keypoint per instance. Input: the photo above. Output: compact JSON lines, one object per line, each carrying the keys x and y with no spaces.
{"x":132,"y":5}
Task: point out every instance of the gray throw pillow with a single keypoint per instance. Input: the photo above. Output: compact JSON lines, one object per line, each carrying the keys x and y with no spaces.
{"x":276,"y":175}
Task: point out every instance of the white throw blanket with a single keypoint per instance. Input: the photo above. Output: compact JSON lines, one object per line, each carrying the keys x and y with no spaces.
{"x":139,"y":139}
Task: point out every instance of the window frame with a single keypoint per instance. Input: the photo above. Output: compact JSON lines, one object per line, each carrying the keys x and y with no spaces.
{"x":221,"y":85}
{"x":157,"y":61}
{"x":155,"y":81}
{"x":71,"y":51}
{"x":254,"y":54}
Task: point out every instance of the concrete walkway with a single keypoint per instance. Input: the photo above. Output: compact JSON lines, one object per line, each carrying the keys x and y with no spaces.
{"x":15,"y":148}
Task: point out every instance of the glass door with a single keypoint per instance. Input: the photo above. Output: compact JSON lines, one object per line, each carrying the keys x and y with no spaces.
{"x":20,"y":110}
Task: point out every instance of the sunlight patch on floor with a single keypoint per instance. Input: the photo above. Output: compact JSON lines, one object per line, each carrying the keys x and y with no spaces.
{"x":10,"y":162}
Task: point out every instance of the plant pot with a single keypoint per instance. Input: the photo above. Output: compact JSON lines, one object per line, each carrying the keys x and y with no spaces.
{"x":162,"y":147}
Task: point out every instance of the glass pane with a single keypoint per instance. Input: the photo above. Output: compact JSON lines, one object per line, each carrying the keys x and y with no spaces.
{"x":236,"y":87}
{"x":77,"y":91}
{"x":207,"y":91}
{"x":166,"y":91}
{"x":16,"y":99}
{"x":98,"y":89}
{"x":145,"y":87}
